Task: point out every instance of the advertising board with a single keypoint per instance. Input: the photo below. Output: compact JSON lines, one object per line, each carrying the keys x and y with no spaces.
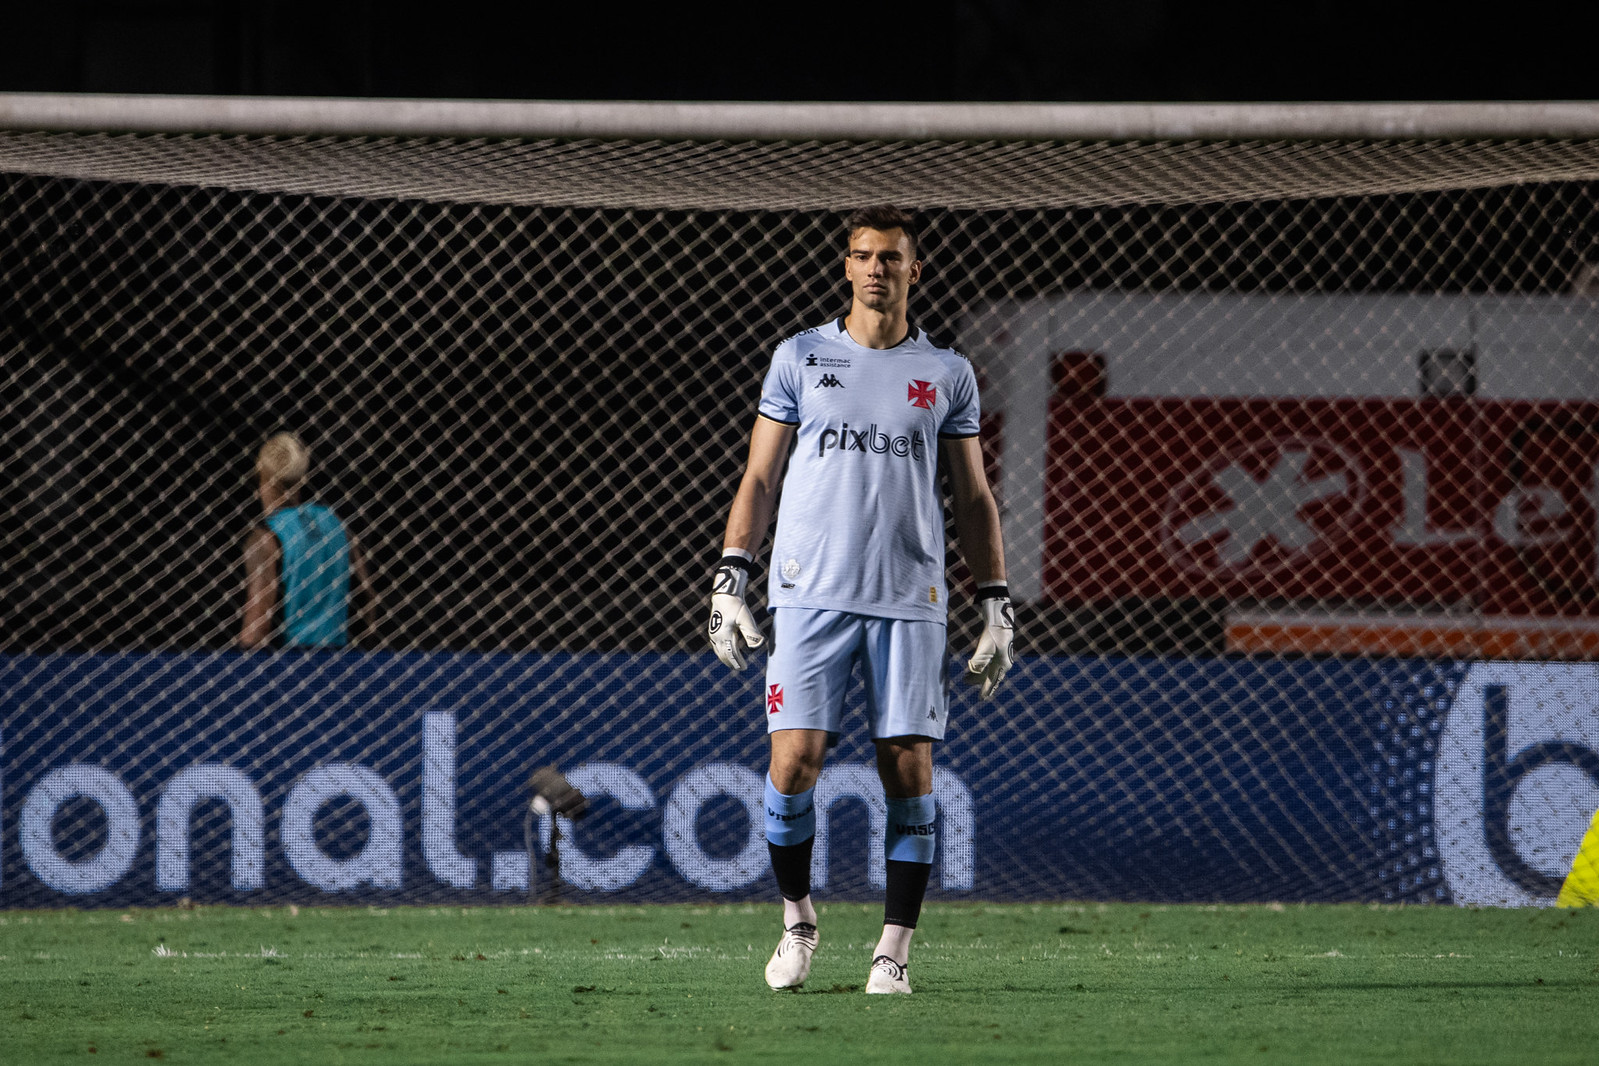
{"x":146,"y":779}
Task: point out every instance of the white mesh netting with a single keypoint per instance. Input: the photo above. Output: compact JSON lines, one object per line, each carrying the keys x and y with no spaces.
{"x":1286,"y":435}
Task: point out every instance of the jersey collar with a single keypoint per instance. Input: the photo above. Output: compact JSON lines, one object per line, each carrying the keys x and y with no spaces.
{"x":912,"y":335}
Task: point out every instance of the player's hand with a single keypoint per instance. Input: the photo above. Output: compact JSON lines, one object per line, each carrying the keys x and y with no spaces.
{"x":996,"y":648}
{"x":733,"y":631}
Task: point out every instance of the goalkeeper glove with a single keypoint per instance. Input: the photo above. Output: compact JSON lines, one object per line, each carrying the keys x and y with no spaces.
{"x":733,"y":631}
{"x":996,"y":648}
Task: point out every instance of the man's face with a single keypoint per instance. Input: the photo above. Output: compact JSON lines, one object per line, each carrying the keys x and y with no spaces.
{"x":880,"y":268}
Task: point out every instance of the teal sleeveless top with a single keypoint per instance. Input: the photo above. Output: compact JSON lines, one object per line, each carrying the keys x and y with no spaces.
{"x":316,"y":576}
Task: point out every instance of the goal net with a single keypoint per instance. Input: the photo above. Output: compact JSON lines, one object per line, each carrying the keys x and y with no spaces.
{"x":1295,"y":440}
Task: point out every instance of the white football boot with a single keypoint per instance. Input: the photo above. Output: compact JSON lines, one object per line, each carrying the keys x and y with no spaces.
{"x":791,"y":962}
{"x":887,"y":977}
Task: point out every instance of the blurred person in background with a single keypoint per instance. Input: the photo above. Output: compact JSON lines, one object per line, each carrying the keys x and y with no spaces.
{"x":304,"y":570}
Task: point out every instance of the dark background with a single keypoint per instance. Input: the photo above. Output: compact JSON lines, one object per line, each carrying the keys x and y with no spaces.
{"x":978,"y":50}
{"x":495,"y":316}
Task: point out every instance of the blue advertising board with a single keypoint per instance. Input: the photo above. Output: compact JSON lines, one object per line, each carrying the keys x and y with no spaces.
{"x":323,"y":777}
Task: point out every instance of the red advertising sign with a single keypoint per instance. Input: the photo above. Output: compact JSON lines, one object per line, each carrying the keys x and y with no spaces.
{"x":1437,"y":504}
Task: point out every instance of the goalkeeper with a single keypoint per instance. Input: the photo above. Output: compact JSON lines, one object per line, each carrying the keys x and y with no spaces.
{"x":869,"y":407}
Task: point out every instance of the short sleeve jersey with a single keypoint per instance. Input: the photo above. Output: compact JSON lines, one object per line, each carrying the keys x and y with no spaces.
{"x":860,"y":525}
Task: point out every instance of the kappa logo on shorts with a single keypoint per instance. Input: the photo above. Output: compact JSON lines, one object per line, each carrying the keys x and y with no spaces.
{"x":922,"y":394}
{"x":774,"y":698}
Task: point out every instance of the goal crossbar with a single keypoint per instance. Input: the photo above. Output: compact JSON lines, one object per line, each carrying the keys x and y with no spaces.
{"x":681,"y":120}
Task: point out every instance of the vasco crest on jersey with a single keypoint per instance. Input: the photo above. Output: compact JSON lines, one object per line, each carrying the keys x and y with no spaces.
{"x":923,"y":394}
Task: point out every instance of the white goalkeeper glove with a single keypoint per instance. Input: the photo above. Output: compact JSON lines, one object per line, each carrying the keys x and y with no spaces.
{"x":996,"y":648}
{"x":733,"y":631}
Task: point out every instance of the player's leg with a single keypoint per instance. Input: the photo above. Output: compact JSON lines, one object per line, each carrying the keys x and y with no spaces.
{"x":806,"y":675}
{"x":907,"y":689}
{"x":797,"y":756}
{"x":905,"y":765}
{"x":1581,"y":887}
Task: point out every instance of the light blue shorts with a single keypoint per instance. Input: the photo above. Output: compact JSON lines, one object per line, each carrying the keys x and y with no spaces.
{"x":904,"y":665}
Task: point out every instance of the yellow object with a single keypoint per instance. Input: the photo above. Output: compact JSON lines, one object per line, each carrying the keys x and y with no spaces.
{"x":1582,"y":883}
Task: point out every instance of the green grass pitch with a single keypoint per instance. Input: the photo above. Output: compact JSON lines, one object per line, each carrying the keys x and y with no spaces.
{"x":1040,"y":983}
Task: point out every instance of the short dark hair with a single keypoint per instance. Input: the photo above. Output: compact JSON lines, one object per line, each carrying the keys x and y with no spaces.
{"x":884,"y":217}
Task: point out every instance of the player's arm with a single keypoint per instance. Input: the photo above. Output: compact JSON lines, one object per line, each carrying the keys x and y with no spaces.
{"x":362,"y":592}
{"x":751,"y":514}
{"x":261,"y":560}
{"x":733,"y":630}
{"x":976,"y":513}
{"x":977,"y":528}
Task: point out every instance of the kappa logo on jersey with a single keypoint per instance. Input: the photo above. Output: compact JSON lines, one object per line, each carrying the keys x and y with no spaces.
{"x":922,"y":394}
{"x":774,"y":698}
{"x":870,"y":439}
{"x":829,"y":381}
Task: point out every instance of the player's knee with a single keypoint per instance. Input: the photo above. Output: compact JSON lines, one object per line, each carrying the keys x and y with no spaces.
{"x":797,"y":760}
{"x":912,"y":829}
{"x":905,"y":765}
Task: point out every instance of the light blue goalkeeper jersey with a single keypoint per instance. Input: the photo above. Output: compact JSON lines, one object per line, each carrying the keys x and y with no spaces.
{"x":860,"y":524}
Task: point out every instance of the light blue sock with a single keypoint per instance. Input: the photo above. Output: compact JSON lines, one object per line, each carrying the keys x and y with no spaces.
{"x":789,"y":819}
{"x":912,"y":829}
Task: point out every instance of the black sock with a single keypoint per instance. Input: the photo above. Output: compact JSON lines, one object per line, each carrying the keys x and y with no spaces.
{"x":907,"y":884}
{"x":792,"y":865}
